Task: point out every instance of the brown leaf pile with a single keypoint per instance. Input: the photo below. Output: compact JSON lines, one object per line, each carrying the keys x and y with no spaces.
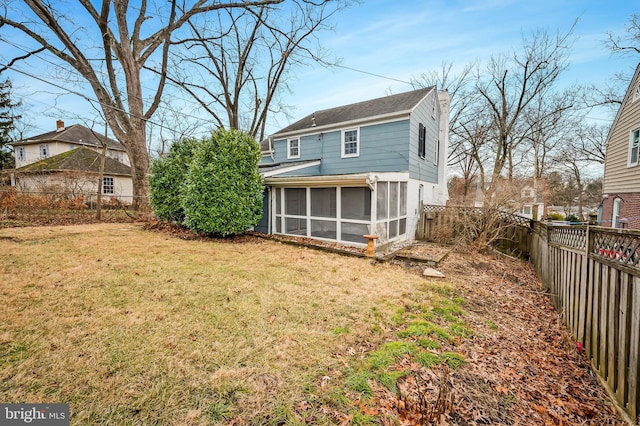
{"x":522,"y":366}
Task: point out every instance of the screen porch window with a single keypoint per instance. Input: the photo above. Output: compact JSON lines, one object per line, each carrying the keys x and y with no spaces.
{"x":294,"y":148}
{"x":391,"y":205}
{"x":633,"y":147}
{"x":333,"y":213}
{"x":350,"y":143}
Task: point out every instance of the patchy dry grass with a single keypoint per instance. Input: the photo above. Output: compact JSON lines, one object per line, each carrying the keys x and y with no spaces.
{"x":133,"y":327}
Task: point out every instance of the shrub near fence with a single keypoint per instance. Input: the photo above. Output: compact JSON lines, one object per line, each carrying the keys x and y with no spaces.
{"x":593,"y":277}
{"x":24,"y":208}
{"x":506,"y":232}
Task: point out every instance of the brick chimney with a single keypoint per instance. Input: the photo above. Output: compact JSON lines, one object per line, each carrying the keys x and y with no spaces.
{"x":59,"y":126}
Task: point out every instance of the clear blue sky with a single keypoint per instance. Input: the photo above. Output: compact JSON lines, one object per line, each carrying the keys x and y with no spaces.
{"x":401,"y":39}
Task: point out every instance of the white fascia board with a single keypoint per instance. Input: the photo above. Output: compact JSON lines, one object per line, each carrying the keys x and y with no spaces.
{"x":378,"y":119}
{"x":290,"y":169}
{"x":359,"y":179}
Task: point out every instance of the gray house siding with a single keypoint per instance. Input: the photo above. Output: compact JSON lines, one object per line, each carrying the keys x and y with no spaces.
{"x":381,"y":150}
{"x":424,"y":169}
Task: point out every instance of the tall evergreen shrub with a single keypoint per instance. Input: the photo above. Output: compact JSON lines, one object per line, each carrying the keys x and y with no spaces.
{"x":222,"y":193}
{"x":168,"y":174}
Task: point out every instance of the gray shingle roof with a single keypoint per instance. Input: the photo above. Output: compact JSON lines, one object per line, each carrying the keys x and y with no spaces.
{"x":76,"y":135}
{"x":79,"y":159}
{"x":361,"y":110}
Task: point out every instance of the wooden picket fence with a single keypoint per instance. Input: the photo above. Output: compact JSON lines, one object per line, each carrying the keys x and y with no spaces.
{"x":445,"y":224}
{"x":593,"y":277}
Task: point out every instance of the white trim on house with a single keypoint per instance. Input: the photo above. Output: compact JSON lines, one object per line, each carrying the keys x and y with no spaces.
{"x":343,"y":143}
{"x":293,"y":168}
{"x":634,"y":148}
{"x":290,"y":148}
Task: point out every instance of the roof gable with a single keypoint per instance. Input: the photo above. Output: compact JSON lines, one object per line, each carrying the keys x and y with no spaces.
{"x":398,"y":103}
{"x":79,"y":159}
{"x":75,"y":135}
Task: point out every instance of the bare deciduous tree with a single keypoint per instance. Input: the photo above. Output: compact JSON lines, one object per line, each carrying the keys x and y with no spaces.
{"x":111,"y":52}
{"x":236,"y":66}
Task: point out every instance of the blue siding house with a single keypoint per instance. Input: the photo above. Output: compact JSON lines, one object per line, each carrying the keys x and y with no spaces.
{"x":358,"y":169}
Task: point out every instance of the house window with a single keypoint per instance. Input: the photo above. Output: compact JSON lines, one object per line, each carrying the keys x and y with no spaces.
{"x":436,"y":151}
{"x":20,"y":153}
{"x":526,"y":210}
{"x":108,"y":186}
{"x":391,"y":204}
{"x":44,"y":151}
{"x":350,"y":143}
{"x":422,"y":136}
{"x":636,"y":93}
{"x":615,"y":214}
{"x":633,"y":148}
{"x":294,"y":148}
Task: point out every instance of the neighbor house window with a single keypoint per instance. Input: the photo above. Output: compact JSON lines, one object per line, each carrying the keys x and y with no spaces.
{"x":436,"y":151}
{"x":633,"y":148}
{"x":636,"y":93}
{"x":526,"y":210}
{"x":44,"y":151}
{"x":20,"y":153}
{"x":108,"y":186}
{"x":350,"y":143}
{"x":294,"y":148}
{"x":422,"y":137}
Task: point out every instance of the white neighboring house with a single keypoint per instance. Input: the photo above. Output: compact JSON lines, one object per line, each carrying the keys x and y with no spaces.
{"x":67,"y":160}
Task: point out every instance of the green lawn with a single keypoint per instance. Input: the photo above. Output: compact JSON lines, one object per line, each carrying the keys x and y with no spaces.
{"x":137,"y":327}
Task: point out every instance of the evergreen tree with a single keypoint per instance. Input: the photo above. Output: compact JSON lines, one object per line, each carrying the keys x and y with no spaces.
{"x":7,"y":124}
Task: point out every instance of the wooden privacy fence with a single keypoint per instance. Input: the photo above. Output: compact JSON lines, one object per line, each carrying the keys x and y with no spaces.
{"x":510,"y":233}
{"x":593,"y":277}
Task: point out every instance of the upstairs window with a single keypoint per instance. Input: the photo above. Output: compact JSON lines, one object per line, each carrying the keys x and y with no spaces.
{"x":20,"y":153}
{"x":293,"y":148}
{"x":422,"y":136}
{"x":44,"y":151}
{"x":350,"y":143}
{"x":436,"y":151}
{"x":633,"y":148}
{"x":636,"y":93}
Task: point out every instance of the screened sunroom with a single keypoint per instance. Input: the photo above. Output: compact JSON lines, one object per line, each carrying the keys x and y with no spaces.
{"x":340,"y":211}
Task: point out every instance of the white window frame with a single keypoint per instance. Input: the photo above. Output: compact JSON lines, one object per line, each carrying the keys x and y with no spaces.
{"x":21,"y":153}
{"x":636,"y":93}
{"x":436,"y":151}
{"x":343,"y":145}
{"x":290,"y":155}
{"x":108,"y":185}
{"x":615,"y":212}
{"x":44,"y":151}
{"x":634,"y":144}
